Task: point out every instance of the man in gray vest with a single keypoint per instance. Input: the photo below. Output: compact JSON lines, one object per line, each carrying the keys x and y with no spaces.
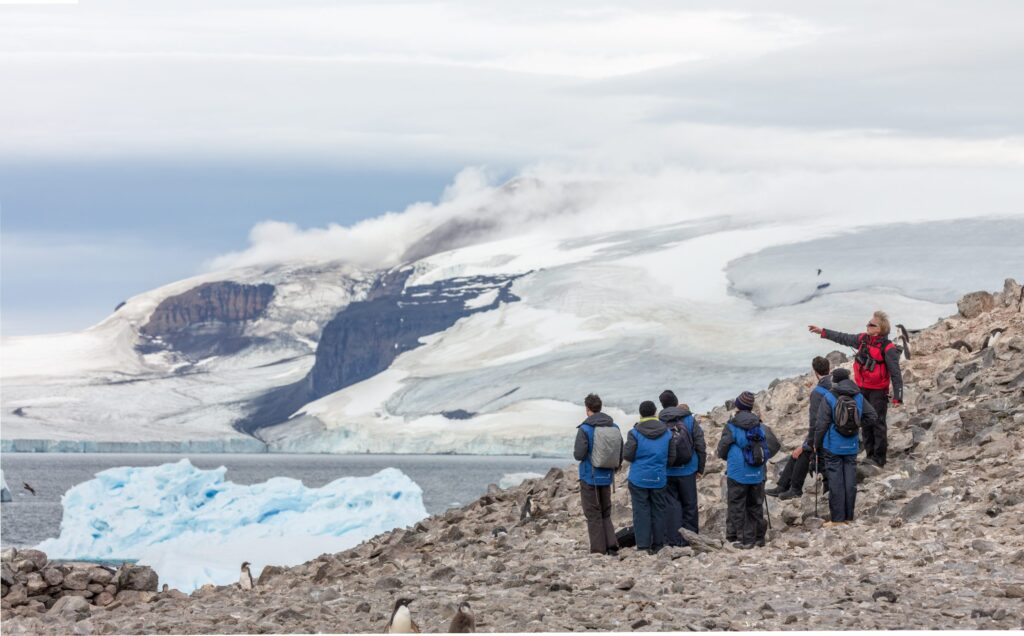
{"x":598,"y":449}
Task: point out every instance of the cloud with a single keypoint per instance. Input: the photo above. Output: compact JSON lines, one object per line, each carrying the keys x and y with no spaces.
{"x":562,"y":201}
{"x":771,"y":85}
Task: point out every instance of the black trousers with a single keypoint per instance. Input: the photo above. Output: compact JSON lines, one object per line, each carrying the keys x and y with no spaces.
{"x":794,"y":473}
{"x":875,"y":436}
{"x":842,"y":492}
{"x":597,"y":508}
{"x":746,"y":512}
{"x":648,"y":516}
{"x":681,"y":512}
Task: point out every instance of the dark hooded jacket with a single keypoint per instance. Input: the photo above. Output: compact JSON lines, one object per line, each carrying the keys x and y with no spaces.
{"x":649,"y":452}
{"x":823,"y":419}
{"x":812,"y":412}
{"x":675,"y":417}
{"x":730,"y":448}
{"x":581,"y":451}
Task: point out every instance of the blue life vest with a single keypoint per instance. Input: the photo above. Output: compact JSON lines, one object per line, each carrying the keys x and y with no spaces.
{"x":737,"y":468}
{"x":835,"y":443}
{"x":689,"y":467}
{"x":650,"y":467}
{"x":589,"y":474}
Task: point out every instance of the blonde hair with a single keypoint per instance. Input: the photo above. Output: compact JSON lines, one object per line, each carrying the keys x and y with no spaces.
{"x":882,"y":319}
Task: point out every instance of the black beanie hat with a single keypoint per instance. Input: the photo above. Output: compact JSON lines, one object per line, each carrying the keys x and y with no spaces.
{"x":744,"y":401}
{"x":668,"y":398}
{"x":840,"y":374}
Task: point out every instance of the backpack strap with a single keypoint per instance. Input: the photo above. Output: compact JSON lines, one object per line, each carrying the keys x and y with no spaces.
{"x":830,"y":398}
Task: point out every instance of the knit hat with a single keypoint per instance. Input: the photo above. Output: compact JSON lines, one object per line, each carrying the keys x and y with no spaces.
{"x":840,"y":374}
{"x":744,"y":401}
{"x":668,"y":398}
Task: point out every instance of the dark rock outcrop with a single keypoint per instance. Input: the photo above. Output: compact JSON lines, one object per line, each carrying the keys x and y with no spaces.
{"x":206,"y":320}
{"x":365,"y":337}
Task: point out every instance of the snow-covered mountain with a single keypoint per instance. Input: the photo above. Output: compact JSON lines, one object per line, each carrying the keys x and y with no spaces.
{"x":481,"y":336}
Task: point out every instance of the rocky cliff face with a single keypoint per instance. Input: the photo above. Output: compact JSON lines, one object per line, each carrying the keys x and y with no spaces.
{"x":936,"y":545}
{"x":206,"y":320}
{"x":365,"y":337}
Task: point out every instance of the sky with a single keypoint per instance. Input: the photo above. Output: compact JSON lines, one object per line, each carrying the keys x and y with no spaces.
{"x":144,"y":142}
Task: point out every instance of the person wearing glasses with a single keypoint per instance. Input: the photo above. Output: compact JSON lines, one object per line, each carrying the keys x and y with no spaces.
{"x":875,"y":366}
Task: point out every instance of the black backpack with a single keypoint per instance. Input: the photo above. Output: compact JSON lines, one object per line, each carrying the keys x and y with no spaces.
{"x":682,"y":441}
{"x":846,"y":416}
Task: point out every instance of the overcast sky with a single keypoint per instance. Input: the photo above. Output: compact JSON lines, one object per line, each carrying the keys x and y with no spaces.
{"x":142,"y":140}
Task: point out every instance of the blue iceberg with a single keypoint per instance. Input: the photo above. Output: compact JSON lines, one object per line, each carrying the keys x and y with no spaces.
{"x":194,"y":527}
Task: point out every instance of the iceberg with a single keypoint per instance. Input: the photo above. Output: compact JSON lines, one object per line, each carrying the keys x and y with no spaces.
{"x":511,"y":480}
{"x":5,"y":492}
{"x":194,"y":527}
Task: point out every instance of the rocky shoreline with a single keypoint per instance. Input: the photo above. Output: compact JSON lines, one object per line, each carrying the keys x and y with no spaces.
{"x":936,"y":545}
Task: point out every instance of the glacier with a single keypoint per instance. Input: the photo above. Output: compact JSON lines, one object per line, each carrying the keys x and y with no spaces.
{"x":194,"y":527}
{"x":705,"y":303}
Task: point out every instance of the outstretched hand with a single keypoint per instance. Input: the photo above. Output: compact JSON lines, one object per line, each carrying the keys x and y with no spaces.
{"x":814,"y":329}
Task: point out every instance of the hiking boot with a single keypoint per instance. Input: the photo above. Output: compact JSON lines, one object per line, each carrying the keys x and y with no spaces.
{"x":743,"y":546}
{"x":773,"y":492}
{"x":760,"y":543}
{"x":790,"y":494}
{"x":612,"y":552}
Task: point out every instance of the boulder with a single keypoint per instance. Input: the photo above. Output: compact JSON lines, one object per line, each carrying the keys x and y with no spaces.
{"x":100,"y":575}
{"x":53,"y":576}
{"x":34,"y":584}
{"x":73,"y":607}
{"x":1011,"y":294}
{"x":76,"y":579}
{"x":36,"y":557}
{"x":976,"y":303}
{"x":139,"y":578}
{"x":268,"y":573}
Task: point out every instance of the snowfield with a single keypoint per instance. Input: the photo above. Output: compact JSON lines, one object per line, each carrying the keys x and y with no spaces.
{"x":194,"y":527}
{"x":705,"y":306}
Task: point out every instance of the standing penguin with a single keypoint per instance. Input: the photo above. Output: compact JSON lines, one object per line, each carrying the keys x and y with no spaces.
{"x":245,"y":578}
{"x":463,"y":622}
{"x":401,"y":620}
{"x":527,"y":510}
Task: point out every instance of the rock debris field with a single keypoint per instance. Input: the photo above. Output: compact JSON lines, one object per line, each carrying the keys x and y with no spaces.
{"x":937,"y":543}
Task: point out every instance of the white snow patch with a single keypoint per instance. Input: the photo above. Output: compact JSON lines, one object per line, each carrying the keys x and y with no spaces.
{"x":194,"y":527}
{"x":482,"y":300}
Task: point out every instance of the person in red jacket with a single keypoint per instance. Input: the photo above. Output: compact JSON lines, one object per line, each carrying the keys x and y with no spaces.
{"x":875,"y":366}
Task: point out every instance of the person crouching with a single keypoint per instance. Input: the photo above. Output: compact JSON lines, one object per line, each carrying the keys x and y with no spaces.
{"x":747,"y":444}
{"x":649,"y":452}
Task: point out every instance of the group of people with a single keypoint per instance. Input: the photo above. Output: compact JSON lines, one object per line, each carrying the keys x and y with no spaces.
{"x":667,"y":452}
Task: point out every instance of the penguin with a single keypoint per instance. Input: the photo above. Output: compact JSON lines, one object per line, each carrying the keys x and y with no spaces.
{"x":526,"y":511}
{"x":401,"y":620}
{"x":960,"y":344}
{"x":245,"y":578}
{"x":463,"y":622}
{"x":29,"y":488}
{"x":903,"y":341}
{"x":499,"y":530}
{"x":165,"y":588}
{"x":992,"y":337}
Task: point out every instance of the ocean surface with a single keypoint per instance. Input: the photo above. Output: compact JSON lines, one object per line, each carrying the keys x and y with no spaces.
{"x":447,"y":480}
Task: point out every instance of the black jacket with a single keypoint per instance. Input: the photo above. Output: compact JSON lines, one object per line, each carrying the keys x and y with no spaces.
{"x":651,"y":429}
{"x":812,"y":412}
{"x":892,"y":357}
{"x":673,"y":416}
{"x":581,"y":449}
{"x":823,"y":418}
{"x":746,"y":420}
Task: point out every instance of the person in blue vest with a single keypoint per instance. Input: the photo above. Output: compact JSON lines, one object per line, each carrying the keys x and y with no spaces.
{"x":649,"y":451}
{"x":682,"y":480}
{"x":791,"y":481}
{"x":595,"y":483}
{"x":746,"y":445}
{"x":840,"y":451}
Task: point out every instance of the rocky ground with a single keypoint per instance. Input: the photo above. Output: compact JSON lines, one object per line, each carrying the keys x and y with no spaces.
{"x":937,"y":545}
